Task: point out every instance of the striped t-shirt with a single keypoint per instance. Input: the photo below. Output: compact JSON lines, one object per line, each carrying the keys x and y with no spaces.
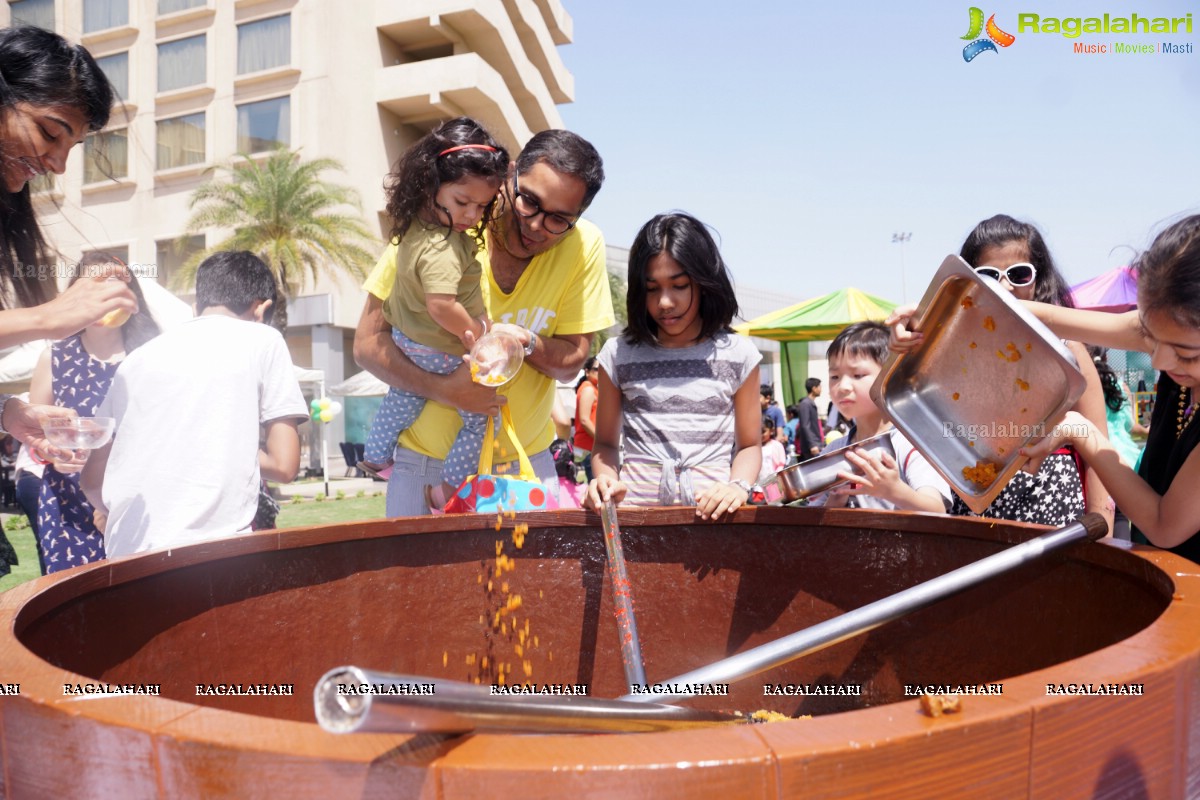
{"x":677,"y":413}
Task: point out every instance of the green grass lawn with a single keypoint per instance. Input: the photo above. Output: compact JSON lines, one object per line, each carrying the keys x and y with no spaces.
{"x":310,"y":512}
{"x":26,"y":547}
{"x":291,"y":515}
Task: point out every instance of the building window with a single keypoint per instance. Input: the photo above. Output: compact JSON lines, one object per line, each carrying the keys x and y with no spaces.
{"x":106,"y":156}
{"x":171,"y":6}
{"x":181,"y":63}
{"x":117,"y":69}
{"x":181,"y":141}
{"x":264,"y":126}
{"x":264,"y":44}
{"x":39,"y":13}
{"x":174,"y":253}
{"x":100,"y":15}
{"x":118,"y":251}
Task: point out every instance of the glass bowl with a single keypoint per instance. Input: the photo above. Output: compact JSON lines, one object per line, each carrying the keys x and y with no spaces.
{"x":495,"y":358}
{"x":79,"y":433}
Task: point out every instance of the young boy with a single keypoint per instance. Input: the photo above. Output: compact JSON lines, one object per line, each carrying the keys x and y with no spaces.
{"x":908,"y":482}
{"x":184,"y":465}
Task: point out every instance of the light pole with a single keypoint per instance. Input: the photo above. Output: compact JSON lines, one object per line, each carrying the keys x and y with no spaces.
{"x":900,"y":239}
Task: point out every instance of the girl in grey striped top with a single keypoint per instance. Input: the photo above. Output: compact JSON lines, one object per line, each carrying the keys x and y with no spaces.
{"x":678,"y":385}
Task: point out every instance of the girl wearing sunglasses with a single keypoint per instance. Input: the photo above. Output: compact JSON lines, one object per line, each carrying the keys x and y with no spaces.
{"x":1015,"y":254}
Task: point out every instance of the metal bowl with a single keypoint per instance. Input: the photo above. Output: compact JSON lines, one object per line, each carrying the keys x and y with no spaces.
{"x":820,"y":473}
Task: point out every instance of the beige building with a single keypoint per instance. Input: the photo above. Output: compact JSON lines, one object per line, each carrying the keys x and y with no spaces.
{"x":357,"y":80}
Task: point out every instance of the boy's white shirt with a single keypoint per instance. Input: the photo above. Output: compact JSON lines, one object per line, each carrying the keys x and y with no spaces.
{"x":184,"y":461}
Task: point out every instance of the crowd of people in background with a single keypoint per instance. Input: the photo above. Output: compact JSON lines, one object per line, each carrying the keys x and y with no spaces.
{"x":669,"y":411}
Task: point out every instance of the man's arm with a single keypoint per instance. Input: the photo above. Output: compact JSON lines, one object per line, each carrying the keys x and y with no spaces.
{"x":280,"y":461}
{"x":559,"y":357}
{"x":375,"y":352}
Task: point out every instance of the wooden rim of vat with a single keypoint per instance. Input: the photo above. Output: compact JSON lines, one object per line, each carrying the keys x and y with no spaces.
{"x":1157,"y":649}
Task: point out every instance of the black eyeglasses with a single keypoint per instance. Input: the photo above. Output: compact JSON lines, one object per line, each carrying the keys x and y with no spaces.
{"x":1017,"y":275}
{"x":528,"y":207}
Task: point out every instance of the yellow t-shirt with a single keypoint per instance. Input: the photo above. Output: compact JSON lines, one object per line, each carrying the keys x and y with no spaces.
{"x":433,"y":263}
{"x":562,"y":291}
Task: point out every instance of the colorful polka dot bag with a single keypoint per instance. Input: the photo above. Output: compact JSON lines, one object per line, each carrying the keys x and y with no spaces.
{"x":485,"y":492}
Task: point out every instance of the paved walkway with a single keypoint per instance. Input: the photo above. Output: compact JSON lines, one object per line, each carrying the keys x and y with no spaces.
{"x":351,"y":486}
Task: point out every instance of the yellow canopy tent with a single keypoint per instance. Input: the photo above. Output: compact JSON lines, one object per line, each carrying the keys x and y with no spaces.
{"x":815,"y":320}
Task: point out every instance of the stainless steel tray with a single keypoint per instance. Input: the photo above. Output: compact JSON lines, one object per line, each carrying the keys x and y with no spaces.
{"x":988,"y":379}
{"x":820,"y":473}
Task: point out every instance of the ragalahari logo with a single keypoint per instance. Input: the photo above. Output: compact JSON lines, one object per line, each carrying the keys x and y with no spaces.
{"x":995,"y":36}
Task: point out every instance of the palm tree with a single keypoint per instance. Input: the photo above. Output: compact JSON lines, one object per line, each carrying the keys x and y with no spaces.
{"x":280,"y":209}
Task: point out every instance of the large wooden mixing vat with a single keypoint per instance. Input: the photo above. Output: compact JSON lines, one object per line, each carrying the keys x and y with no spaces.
{"x":411,"y":596}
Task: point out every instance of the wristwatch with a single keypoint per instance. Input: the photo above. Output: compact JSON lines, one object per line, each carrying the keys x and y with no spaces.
{"x":741,"y":484}
{"x":4,"y":398}
{"x":532,"y":345}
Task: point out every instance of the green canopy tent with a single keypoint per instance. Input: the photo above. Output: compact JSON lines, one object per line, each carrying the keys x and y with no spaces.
{"x":816,"y":320}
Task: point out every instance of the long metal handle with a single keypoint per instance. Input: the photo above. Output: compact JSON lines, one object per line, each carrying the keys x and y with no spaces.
{"x":871,"y":616}
{"x":631,"y":648}
{"x":353,"y":700}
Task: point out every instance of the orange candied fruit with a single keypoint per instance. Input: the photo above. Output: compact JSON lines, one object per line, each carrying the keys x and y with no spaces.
{"x":989,"y":324}
{"x":954,"y":396}
{"x":983,"y":474}
{"x":1023,"y":384}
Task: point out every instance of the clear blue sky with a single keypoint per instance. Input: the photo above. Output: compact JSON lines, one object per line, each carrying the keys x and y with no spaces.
{"x":808,"y":134}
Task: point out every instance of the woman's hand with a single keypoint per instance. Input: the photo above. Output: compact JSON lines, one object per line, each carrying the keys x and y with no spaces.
{"x":902,"y":339}
{"x":1069,"y":431}
{"x":89,"y":300}
{"x":24,"y":422}
{"x":601,"y":489}
{"x":720,"y":498}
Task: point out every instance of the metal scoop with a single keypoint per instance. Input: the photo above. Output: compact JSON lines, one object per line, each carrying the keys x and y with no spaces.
{"x":353,"y":700}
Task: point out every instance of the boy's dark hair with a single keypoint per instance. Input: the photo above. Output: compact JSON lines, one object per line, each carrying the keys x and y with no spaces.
{"x":423,"y":168}
{"x":234,"y":279}
{"x":811,"y":384}
{"x":766,"y":390}
{"x":1049,"y":285}
{"x":868,"y":339}
{"x":686,"y":240}
{"x":568,"y":154}
{"x":40,"y":68}
{"x":139,"y":328}
{"x":1168,"y":274}
{"x":793,"y":410}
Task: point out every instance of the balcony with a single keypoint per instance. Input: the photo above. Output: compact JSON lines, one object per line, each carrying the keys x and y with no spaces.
{"x":535,"y":78}
{"x":450,"y":87}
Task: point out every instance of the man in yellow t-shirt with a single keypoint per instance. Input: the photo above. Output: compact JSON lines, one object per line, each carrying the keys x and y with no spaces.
{"x":544,"y":281}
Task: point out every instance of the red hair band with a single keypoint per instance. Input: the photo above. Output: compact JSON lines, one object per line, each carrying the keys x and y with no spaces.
{"x":487,"y":147}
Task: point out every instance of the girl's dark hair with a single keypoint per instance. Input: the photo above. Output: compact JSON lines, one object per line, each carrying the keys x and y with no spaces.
{"x":1114,"y":396}
{"x":868,"y":339}
{"x":686,"y":240}
{"x":414,"y":182}
{"x":590,"y":364}
{"x":997,"y":231}
{"x":141,"y":327}
{"x":40,"y":68}
{"x":768,"y":423}
{"x":1168,"y":274}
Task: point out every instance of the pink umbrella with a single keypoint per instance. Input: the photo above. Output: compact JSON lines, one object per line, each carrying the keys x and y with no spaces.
{"x":1115,"y":290}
